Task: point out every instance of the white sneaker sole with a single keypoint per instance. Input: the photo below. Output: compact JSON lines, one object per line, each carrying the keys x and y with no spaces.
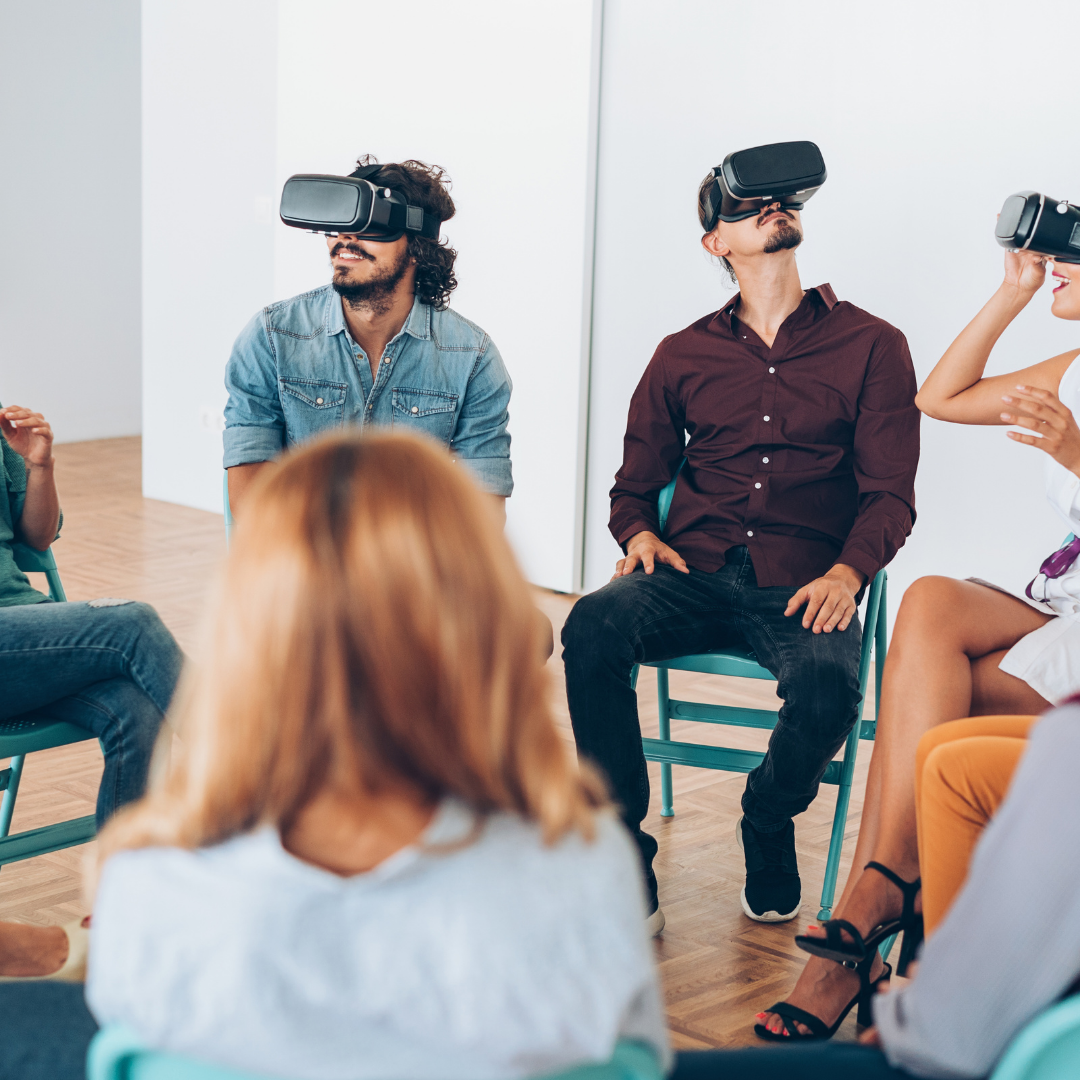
{"x":748,"y":911}
{"x":655,"y":923}
{"x":769,"y":916}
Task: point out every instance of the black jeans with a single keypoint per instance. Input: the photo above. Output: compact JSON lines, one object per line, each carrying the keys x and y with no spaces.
{"x":667,"y":614}
{"x":45,"y":1030}
{"x":816,"y":1061}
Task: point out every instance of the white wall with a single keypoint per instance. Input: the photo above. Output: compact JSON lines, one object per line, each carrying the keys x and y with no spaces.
{"x":209,"y":97}
{"x":926,"y":126}
{"x":69,"y":186}
{"x":499,"y":95}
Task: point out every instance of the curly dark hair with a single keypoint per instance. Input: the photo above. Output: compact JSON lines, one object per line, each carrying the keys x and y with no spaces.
{"x":426,"y":186}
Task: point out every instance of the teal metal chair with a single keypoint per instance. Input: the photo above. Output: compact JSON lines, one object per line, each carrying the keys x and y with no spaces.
{"x":744,"y":665}
{"x":1047,"y":1049}
{"x":19,"y":737}
{"x":116,"y":1054}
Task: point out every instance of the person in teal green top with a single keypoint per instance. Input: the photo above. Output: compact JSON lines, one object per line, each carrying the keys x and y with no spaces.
{"x":109,"y":666}
{"x":26,"y":469}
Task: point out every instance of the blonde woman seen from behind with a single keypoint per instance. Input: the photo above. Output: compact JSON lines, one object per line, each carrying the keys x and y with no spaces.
{"x":373,"y":856}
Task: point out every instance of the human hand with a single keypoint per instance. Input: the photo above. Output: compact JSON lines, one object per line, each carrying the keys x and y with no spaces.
{"x":870,"y":1037}
{"x":28,"y":434}
{"x":646,"y":549}
{"x":829,"y":600}
{"x":1025,"y":270}
{"x":1042,"y":411}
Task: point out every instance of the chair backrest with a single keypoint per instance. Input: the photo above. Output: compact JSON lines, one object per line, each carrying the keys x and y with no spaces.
{"x":663,"y":501}
{"x":1047,"y":1049}
{"x":116,"y":1054}
{"x":31,"y":561}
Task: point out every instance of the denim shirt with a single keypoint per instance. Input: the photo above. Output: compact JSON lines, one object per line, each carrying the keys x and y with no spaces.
{"x":295,"y":371}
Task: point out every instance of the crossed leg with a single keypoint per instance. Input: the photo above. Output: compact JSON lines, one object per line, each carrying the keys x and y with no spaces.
{"x":943,"y":661}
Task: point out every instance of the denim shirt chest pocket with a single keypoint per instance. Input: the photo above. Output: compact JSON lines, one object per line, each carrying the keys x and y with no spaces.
{"x":429,"y":411}
{"x":311,"y":406}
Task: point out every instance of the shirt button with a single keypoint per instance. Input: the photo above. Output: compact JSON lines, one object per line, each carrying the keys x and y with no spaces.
{"x":415,"y":410}
{"x":772,"y":371}
{"x":757,"y":485}
{"x":764,"y":461}
{"x":749,"y":532}
{"x":766,"y":418}
{"x":386,"y":359}
{"x":318,"y":401}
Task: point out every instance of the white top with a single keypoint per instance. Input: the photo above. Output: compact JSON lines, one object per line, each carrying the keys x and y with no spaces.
{"x":1063,"y":492}
{"x":500,"y":959}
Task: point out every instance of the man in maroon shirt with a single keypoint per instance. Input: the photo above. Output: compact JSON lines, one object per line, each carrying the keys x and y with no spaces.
{"x":792,"y":417}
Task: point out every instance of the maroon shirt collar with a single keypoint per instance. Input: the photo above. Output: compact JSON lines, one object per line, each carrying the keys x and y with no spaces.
{"x":819,"y":293}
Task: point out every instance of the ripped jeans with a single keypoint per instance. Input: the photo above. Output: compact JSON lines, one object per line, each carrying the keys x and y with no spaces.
{"x":109,"y":669}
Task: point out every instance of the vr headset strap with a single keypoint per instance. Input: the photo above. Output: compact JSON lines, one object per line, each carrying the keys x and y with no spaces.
{"x":417,"y":220}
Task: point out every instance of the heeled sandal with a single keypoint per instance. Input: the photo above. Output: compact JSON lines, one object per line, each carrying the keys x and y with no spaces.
{"x":792,"y":1014}
{"x":833,"y":946}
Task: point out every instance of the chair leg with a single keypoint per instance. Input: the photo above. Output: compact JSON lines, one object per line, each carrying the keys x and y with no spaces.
{"x":836,"y":841}
{"x":666,"y":797}
{"x":7,"y":807}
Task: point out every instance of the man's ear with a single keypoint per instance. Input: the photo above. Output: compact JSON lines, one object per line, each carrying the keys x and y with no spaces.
{"x":712,"y":243}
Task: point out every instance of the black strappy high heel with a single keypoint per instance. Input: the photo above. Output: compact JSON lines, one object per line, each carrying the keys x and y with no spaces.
{"x":833,"y":946}
{"x":792,"y":1014}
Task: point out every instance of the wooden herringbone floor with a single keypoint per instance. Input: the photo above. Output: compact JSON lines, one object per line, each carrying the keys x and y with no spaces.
{"x":718,"y":967}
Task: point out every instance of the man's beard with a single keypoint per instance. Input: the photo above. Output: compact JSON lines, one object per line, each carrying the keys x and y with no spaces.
{"x":783,"y":238}
{"x":377,"y":293}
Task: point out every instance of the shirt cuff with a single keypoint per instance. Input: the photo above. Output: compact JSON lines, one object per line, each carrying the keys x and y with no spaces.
{"x":628,"y":532}
{"x":246,"y":444}
{"x":493,"y":474}
{"x":859,"y":560}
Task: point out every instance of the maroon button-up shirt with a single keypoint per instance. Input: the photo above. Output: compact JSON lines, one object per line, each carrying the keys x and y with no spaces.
{"x":805,"y":452}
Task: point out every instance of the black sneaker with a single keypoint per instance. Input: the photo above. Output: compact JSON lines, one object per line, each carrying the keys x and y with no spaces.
{"x":773,"y":891}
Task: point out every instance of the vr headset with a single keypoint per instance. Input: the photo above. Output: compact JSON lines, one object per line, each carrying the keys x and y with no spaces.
{"x":749,"y":180}
{"x":353,"y":204}
{"x":1033,"y":222}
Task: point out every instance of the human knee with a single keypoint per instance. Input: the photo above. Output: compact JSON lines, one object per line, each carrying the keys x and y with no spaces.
{"x":925,"y":601}
{"x":591,"y":621}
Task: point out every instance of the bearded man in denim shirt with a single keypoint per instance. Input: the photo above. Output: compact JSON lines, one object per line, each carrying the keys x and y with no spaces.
{"x":376,"y":346}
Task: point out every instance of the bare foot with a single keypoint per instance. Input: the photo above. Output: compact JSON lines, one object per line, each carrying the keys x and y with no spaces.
{"x":824,"y":989}
{"x":31,"y":950}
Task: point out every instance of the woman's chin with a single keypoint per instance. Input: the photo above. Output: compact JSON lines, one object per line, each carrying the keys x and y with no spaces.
{"x":1066,"y":306}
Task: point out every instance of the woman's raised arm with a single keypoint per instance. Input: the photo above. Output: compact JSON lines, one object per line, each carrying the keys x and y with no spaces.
{"x":956,"y":389}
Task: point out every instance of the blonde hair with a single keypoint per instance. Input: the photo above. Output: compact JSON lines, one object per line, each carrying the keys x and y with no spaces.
{"x":371,"y":629}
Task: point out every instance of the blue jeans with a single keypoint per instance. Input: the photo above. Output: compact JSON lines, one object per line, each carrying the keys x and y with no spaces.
{"x":667,"y":614}
{"x":110,"y":670}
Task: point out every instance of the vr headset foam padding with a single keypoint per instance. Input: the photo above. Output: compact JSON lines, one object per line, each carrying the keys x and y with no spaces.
{"x":353,"y":204}
{"x":1033,"y":222}
{"x":750,"y":180}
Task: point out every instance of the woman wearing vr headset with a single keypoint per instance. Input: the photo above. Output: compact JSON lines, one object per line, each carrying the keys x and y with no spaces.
{"x":960,"y":649}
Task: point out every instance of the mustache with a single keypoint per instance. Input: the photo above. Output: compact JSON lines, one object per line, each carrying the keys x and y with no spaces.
{"x":766,"y":213}
{"x":337,"y":249}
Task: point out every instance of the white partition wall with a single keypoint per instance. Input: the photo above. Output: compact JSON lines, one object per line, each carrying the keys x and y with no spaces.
{"x":926,"y":126}
{"x":209,"y":96}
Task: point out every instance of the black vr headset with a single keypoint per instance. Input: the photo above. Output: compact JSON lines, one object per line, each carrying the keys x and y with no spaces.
{"x":353,"y":204}
{"x":1033,"y":222}
{"x":749,"y":180}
